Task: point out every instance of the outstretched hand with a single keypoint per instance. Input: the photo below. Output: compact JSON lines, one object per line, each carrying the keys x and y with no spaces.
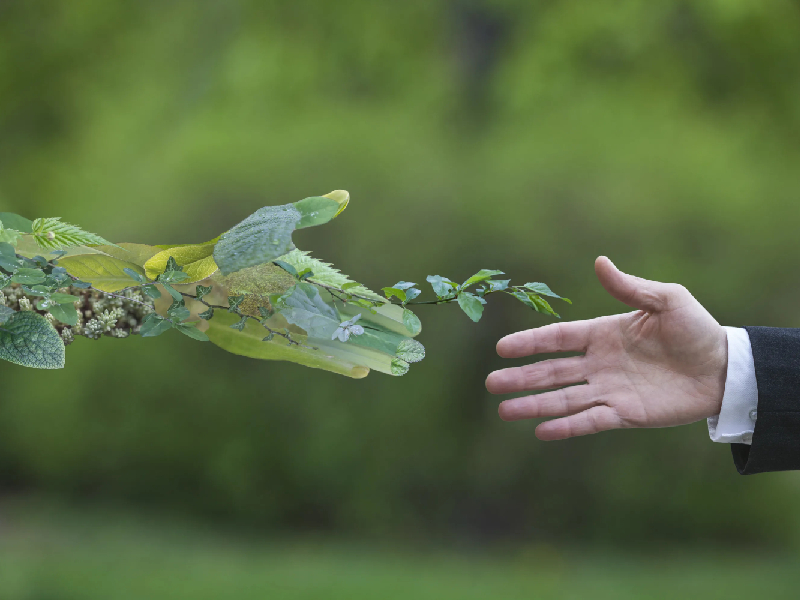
{"x":663,"y":365}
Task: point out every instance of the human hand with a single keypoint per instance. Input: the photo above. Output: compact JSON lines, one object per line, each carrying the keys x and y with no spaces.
{"x":663,"y":365}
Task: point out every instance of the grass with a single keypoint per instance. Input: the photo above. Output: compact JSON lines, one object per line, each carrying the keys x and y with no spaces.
{"x":53,"y":554}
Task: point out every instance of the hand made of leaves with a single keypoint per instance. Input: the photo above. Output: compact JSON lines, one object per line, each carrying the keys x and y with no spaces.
{"x":250,"y":291}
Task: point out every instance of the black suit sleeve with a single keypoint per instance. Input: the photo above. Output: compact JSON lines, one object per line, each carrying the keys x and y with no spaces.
{"x":776,"y":439}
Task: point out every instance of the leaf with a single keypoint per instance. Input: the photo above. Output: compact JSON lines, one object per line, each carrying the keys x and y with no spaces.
{"x":239,"y":325}
{"x":27,"y":339}
{"x":151,"y":291}
{"x":173,"y":277}
{"x":286,"y":267}
{"x":52,"y":233}
{"x":267,"y":234}
{"x":412,"y":322}
{"x":206,"y":314}
{"x":104,"y":273}
{"x":234,"y":302}
{"x":481,"y":275}
{"x":393,"y":291}
{"x":136,"y":276}
{"x":12,"y":221}
{"x":196,"y":261}
{"x":5,"y":313}
{"x":544,"y":290}
{"x":305,"y":308}
{"x":28,"y":276}
{"x":178,"y":312}
{"x":350,"y":285}
{"x":8,"y":257}
{"x":191,"y":330}
{"x":176,"y":295}
{"x":412,"y":293}
{"x":498,"y":285}
{"x":399,"y":367}
{"x":410,"y":351}
{"x":535,"y":302}
{"x":403,"y":285}
{"x":442,"y":286}
{"x":154,"y":325}
{"x":202,"y":291}
{"x":326,"y":274}
{"x":471,"y":305}
{"x":60,"y":298}
{"x":66,"y":313}
{"x":9,"y":236}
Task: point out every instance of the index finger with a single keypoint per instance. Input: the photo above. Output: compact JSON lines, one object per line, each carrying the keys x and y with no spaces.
{"x":558,"y":337}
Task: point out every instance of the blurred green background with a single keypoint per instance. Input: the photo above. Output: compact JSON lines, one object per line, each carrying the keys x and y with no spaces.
{"x":528,"y":136}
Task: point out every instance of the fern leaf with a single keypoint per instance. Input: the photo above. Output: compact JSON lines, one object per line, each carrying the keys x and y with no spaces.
{"x":325,"y":273}
{"x":52,"y":234}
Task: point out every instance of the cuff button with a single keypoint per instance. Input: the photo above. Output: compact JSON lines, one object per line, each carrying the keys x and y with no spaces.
{"x":747,"y":438}
{"x":753,"y":414}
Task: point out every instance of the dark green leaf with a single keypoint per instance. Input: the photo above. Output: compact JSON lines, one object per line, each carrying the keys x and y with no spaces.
{"x":234,"y":302}
{"x":172,"y":265}
{"x":191,"y":330}
{"x":28,"y":276}
{"x":5,"y":313}
{"x":27,"y":339}
{"x":77,"y":283}
{"x":544,"y":290}
{"x":207,"y":314}
{"x":202,"y":291}
{"x":12,"y":221}
{"x":178,"y":312}
{"x":240,"y":324}
{"x":471,"y":305}
{"x":151,"y":291}
{"x":176,"y":295}
{"x":286,"y":267}
{"x":66,"y":313}
{"x":269,"y":337}
{"x":154,"y":325}
{"x":134,"y":275}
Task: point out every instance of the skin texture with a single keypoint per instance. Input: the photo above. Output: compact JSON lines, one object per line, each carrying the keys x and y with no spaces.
{"x":662,"y":365}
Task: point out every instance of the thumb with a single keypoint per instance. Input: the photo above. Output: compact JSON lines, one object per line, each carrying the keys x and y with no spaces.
{"x":642,"y":294}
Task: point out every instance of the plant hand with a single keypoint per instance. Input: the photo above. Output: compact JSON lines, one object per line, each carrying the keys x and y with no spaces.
{"x":663,"y":365}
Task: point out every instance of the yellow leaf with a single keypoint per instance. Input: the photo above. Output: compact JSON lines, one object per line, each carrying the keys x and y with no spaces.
{"x":342,"y":197}
{"x":104,"y":272}
{"x":196,"y":259}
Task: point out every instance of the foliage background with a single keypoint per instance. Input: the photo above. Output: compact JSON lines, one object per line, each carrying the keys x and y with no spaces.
{"x":529,"y":136}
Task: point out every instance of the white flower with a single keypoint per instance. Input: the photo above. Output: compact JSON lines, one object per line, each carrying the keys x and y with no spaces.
{"x":348,"y":328}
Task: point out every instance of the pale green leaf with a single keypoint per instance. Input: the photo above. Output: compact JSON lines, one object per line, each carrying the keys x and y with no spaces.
{"x":471,"y":305}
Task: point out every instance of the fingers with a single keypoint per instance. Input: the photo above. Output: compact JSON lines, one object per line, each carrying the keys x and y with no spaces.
{"x":642,"y":294}
{"x":593,"y":420}
{"x":538,"y":376}
{"x":558,"y":337}
{"x":559,"y":403}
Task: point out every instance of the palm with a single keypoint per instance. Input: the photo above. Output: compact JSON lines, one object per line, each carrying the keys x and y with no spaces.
{"x":660,"y":366}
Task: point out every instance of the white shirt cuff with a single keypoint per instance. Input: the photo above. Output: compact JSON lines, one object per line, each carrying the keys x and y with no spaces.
{"x":737,"y":419}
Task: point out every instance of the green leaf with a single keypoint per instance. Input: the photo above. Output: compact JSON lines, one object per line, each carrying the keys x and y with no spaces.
{"x":104,"y":273}
{"x":481,"y":275}
{"x":52,"y":234}
{"x":178,"y":311}
{"x":544,"y":290}
{"x":240,"y":324}
{"x":154,"y":325}
{"x":535,"y":302}
{"x":286,"y":267}
{"x":412,"y":322}
{"x":305,"y":308}
{"x":234,"y":302}
{"x":176,"y":295}
{"x":5,"y":313}
{"x":151,"y":291}
{"x":191,"y":330}
{"x":136,"y":276}
{"x":60,"y":298}
{"x":399,"y":367}
{"x":66,"y":313}
{"x":442,"y":286}
{"x":173,"y":277}
{"x":471,"y":305}
{"x":206,"y":314}
{"x":403,"y":285}
{"x":350,"y":285}
{"x":267,"y":234}
{"x":202,"y":291}
{"x":28,"y":276}
{"x":27,"y":339}
{"x":9,"y":236}
{"x":498,"y":285}
{"x":410,"y":351}
{"x":393,"y":291}
{"x":12,"y":221}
